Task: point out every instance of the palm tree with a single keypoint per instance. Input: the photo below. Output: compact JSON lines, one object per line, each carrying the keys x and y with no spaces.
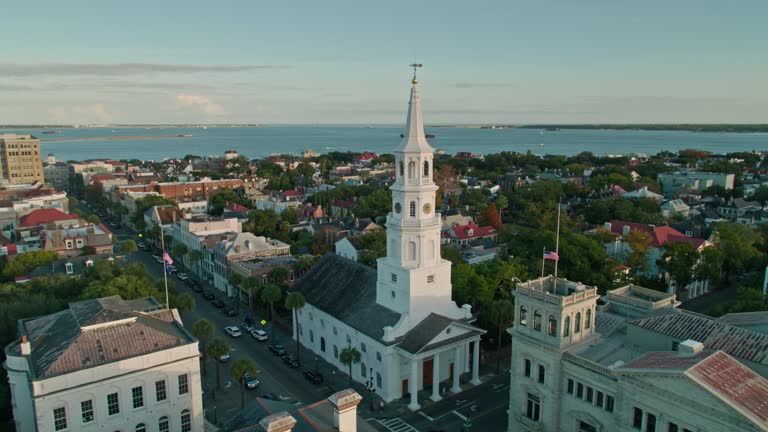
{"x":184,"y":302}
{"x":271,"y":294}
{"x":251,"y":284}
{"x":129,"y":247}
{"x":203,"y":329}
{"x":196,"y":256}
{"x":348,"y":356}
{"x":280,"y":276}
{"x":305,"y":263}
{"x":501,"y":314}
{"x":295,"y":301}
{"x":240,"y":368}
{"x":217,"y":348}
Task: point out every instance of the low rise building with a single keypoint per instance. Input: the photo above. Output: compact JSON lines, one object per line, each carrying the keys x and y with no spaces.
{"x":242,"y":247}
{"x":464,"y":235}
{"x":634,"y":364}
{"x":687,"y":182}
{"x":70,"y":241}
{"x":105,"y":364}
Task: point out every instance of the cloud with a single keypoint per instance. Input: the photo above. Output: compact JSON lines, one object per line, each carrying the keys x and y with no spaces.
{"x":95,"y":113}
{"x":202,"y":102}
{"x":116,"y":69}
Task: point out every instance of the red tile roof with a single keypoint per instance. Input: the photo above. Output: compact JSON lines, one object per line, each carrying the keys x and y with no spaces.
{"x":44,"y":216}
{"x":237,"y":208}
{"x":293,"y":193}
{"x":734,"y":383}
{"x":660,"y":234}
{"x":367,"y":156}
{"x":471,"y":231}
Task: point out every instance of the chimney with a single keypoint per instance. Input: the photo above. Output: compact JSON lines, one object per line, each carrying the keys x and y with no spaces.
{"x":689,"y":348}
{"x":345,"y":410}
{"x":26,"y":347}
{"x":278,"y":422}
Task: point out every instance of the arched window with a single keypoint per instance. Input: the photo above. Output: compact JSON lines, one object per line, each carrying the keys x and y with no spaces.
{"x":411,"y":169}
{"x":412,"y":250}
{"x":311,"y":336}
{"x":141,"y":427}
{"x":412,"y":209}
{"x":322,"y":344}
{"x":523,"y":316}
{"x":186,"y":421}
{"x":163,"y":425}
{"x":426,"y":168}
{"x":577,"y":324}
{"x":378,"y":356}
{"x":378,"y":380}
{"x":363,"y":370}
{"x":552,"y":326}
{"x":335,"y":351}
{"x":567,"y":326}
{"x":537,"y":320}
{"x":402,"y":169}
{"x":588,"y":319}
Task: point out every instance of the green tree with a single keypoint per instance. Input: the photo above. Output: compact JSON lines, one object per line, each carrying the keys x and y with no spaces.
{"x":179,"y":250}
{"x":711,"y":265}
{"x":184,"y":302}
{"x":195,"y":256}
{"x":295,"y":301}
{"x":129,"y":247}
{"x":305,"y":263}
{"x":262,"y":222}
{"x":271,"y":294}
{"x":680,"y":260}
{"x":235,"y":280}
{"x":240,"y":368}
{"x":348,"y":356}
{"x":280,"y":276}
{"x":251,"y":285}
{"x":216,"y":348}
{"x":501,"y":315}
{"x":639,"y":242}
{"x":203,"y":329}
{"x":502,"y":203}
{"x":290,"y":215}
{"x":738,"y":244}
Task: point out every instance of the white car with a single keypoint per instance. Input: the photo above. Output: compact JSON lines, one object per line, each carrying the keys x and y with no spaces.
{"x":259,"y":335}
{"x":233,"y":331}
{"x":182,"y":276}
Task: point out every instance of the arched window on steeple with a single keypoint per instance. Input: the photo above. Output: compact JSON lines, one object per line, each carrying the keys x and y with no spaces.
{"x":402,"y":169}
{"x":567,"y":326}
{"x":411,"y":170}
{"x":412,"y":210}
{"x":537,"y":320}
{"x":426,"y":168}
{"x":577,"y":324}
{"x":552,"y":326}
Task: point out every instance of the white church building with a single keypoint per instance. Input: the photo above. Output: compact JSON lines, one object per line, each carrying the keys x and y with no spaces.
{"x":402,"y":319}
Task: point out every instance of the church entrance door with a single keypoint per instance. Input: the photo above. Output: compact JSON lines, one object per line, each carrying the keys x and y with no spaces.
{"x":405,"y":387}
{"x":428,"y":366}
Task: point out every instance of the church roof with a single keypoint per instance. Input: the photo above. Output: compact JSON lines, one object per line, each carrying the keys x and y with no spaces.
{"x":418,"y":338}
{"x":346,"y":290}
{"x":414,"y":140}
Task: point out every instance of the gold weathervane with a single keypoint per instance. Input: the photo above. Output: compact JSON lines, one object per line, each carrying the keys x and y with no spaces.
{"x":415,"y":66}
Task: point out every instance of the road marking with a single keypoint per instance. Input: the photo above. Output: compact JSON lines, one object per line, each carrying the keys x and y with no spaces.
{"x":397,"y":425}
{"x":426,"y":416}
{"x":460,"y":415}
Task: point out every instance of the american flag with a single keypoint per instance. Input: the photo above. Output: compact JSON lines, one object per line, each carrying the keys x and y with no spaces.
{"x":550,"y":255}
{"x":167,"y":258}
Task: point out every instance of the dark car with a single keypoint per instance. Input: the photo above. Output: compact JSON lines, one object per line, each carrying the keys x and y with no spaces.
{"x":277,"y":349}
{"x":208,"y":295}
{"x":270,"y":396}
{"x":218,"y":303}
{"x":313,"y":377}
{"x":291,"y":360}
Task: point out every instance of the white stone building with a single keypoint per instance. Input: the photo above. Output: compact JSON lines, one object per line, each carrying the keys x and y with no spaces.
{"x":193,"y":231}
{"x":402,"y":319}
{"x":634,"y":364}
{"x":105,"y":365}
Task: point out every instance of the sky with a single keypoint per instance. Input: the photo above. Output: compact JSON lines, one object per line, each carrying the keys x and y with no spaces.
{"x":346,"y":62}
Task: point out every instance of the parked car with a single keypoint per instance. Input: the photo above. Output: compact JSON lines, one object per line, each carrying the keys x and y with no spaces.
{"x":246,"y":327}
{"x":259,"y":335}
{"x":141,"y":245}
{"x":208,"y":295}
{"x":182,"y":276}
{"x":233,"y":331}
{"x":291,"y":360}
{"x":217,"y":303}
{"x":224,"y":358}
{"x":195,"y":287}
{"x":313,"y":377}
{"x":270,"y":396}
{"x":251,"y":382}
{"x":173,"y":269}
{"x":277,"y":349}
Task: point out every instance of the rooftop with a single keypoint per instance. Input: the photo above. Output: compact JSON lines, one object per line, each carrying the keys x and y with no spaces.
{"x":559,"y":291}
{"x":95,"y":332}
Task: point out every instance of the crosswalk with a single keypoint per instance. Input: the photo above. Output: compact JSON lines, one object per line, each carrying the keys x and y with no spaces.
{"x":397,"y":425}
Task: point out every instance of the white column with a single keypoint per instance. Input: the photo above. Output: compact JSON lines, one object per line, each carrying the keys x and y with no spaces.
{"x":456,"y":374}
{"x":436,"y":378}
{"x":466,"y":358}
{"x":413,"y":383}
{"x":476,"y":364}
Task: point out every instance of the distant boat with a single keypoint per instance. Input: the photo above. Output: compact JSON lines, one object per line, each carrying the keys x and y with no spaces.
{"x":49,"y":132}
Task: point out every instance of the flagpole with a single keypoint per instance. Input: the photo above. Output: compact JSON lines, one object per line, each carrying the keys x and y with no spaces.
{"x":541,"y":280}
{"x":557,"y":247}
{"x":165,"y":266}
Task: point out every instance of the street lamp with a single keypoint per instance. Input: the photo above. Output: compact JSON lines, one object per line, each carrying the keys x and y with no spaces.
{"x":369,"y":385}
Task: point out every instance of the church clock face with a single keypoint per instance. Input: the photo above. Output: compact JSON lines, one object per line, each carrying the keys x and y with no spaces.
{"x":398,"y":208}
{"x":427,"y":208}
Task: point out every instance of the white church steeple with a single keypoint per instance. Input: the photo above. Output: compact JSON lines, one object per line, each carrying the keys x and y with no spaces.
{"x":413,"y":279}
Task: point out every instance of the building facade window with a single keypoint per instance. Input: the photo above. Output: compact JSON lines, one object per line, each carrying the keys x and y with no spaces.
{"x":552,"y":326}
{"x":570,"y":386}
{"x":426,"y":168}
{"x":579,"y":390}
{"x":86,"y":411}
{"x":141,"y":427}
{"x":312,"y":336}
{"x":533,"y":407}
{"x":523,"y":316}
{"x":412,"y":209}
{"x":577,"y":323}
{"x":186,"y":421}
{"x":586,"y":427}
{"x":378,"y":380}
{"x":650,"y":423}
{"x":322,"y":344}
{"x":363,"y":370}
{"x":60,"y":419}
{"x":567,"y":326}
{"x":183,"y":384}
{"x":137,"y":395}
{"x":394,"y":277}
{"x":335,"y":352}
{"x":588,"y":319}
{"x":378,"y":355}
{"x":537,"y":320}
{"x":160,"y":391}
{"x":163,"y":425}
{"x":113,"y":404}
{"x":542,"y":374}
{"x":609,"y":403}
{"x":363,"y":348}
{"x":637,"y":418}
{"x":527,"y":368}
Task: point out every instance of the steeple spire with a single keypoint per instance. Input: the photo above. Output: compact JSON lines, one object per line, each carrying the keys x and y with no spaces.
{"x":413,"y":138}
